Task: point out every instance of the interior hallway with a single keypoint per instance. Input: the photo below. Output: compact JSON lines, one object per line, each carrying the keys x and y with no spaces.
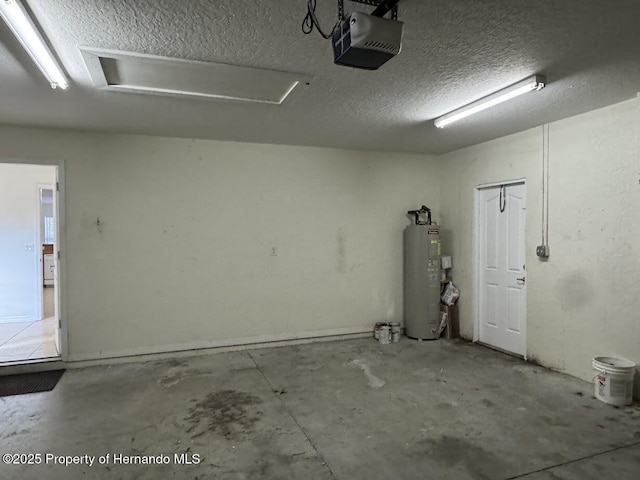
{"x":347,"y":410}
{"x":30,"y":340}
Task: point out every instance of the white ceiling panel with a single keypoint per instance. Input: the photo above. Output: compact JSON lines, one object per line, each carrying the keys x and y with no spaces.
{"x":155,"y":75}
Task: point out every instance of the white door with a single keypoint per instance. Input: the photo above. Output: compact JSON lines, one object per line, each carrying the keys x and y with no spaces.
{"x":502,"y":274}
{"x":20,"y":284}
{"x":56,"y":254}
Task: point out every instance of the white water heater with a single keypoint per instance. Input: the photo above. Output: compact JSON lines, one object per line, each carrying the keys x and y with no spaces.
{"x":422,"y":278}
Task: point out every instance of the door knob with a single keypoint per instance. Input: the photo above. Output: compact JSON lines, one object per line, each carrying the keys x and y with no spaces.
{"x":521,"y":279}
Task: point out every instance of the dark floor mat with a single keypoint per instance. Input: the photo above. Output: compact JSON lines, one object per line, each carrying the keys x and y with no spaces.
{"x":29,"y":382}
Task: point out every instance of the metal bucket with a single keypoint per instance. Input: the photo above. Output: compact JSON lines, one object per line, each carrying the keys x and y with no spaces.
{"x":376,"y":329}
{"x":395,"y":331}
{"x":384,"y":335}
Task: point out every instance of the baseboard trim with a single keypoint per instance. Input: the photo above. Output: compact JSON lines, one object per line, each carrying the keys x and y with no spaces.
{"x":216,"y":346}
{"x":188,"y":350}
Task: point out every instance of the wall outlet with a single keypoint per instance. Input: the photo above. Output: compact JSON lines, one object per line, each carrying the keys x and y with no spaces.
{"x":542,"y":251}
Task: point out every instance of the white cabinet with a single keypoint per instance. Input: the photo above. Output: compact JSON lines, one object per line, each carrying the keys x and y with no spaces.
{"x":49,"y":269}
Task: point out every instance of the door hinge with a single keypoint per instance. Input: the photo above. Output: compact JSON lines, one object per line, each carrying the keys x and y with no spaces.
{"x":60,"y":323}
{"x":58,"y":254}
{"x":57,"y":186}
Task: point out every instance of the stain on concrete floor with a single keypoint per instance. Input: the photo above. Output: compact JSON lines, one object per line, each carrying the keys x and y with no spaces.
{"x":453,"y":451}
{"x":487,"y":403}
{"x":372,"y":380}
{"x":226,"y":413}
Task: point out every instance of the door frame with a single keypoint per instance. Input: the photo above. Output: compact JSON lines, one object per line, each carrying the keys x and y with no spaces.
{"x":60,"y":245}
{"x":40,"y":235}
{"x":476,"y":255}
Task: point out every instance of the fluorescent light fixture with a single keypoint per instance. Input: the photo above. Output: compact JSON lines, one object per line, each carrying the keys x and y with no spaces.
{"x":536,"y":82}
{"x":18,"y":20}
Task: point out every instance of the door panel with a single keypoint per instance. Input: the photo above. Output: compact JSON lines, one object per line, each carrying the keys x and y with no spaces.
{"x":513,"y":310}
{"x":491,"y":226}
{"x":56,"y":266}
{"x":490,"y":302}
{"x":514,"y":258}
{"x":501,"y":247}
{"x":19,"y":251}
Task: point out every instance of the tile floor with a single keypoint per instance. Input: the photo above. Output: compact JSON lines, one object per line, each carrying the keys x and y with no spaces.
{"x":30,"y":340}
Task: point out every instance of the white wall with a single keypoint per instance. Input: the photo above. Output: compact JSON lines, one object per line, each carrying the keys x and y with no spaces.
{"x":205,"y":243}
{"x":19,"y":248}
{"x":584,"y":300}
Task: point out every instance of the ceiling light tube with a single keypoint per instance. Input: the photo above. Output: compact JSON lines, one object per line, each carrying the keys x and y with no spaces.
{"x":535,"y":82}
{"x":18,"y":20}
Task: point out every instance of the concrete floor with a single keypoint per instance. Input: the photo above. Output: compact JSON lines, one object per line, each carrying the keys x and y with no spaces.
{"x":348,"y":410}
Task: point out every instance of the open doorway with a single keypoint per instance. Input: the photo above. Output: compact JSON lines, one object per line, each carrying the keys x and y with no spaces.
{"x":29,"y":287}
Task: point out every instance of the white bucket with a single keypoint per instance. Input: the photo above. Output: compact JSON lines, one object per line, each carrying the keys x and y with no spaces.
{"x":614,"y":380}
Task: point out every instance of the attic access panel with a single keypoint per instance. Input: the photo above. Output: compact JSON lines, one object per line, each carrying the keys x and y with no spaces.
{"x":153,"y":75}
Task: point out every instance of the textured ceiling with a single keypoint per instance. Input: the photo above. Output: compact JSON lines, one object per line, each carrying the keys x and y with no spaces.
{"x":453,"y":52}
